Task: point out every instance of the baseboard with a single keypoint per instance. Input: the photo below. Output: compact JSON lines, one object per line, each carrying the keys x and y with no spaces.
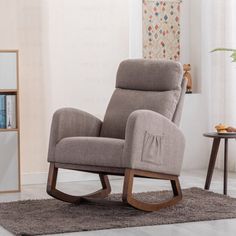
{"x":63,"y":176}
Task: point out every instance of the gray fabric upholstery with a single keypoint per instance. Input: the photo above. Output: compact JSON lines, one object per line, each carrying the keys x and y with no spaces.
{"x":147,"y":99}
{"x":124,"y":102}
{"x":149,"y":75}
{"x":165,"y":146}
{"x":69,"y":122}
{"x":94,"y":151}
{"x":142,"y":84}
{"x":178,"y":111}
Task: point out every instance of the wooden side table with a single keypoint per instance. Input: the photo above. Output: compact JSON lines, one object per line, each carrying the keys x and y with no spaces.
{"x":215,"y":147}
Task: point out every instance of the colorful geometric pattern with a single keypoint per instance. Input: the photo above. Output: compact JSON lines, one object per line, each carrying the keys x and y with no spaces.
{"x":161,"y":29}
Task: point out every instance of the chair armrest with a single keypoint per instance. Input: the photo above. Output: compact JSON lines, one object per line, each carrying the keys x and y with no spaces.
{"x":153,"y":143}
{"x":70,"y":122}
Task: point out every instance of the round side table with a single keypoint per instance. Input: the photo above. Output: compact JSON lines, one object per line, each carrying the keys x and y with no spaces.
{"x":215,"y":147}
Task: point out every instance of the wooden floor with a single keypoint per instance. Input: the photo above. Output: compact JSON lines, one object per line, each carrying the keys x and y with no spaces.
{"x":188,"y":179}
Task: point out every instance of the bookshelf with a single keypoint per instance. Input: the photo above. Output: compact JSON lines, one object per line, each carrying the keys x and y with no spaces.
{"x":9,"y":122}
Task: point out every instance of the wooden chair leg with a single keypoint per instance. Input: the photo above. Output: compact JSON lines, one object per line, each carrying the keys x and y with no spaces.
{"x":54,"y":192}
{"x":176,"y":187}
{"x":128,"y":198}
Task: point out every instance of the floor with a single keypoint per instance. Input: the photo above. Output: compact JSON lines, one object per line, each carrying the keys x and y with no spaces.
{"x":188,"y":179}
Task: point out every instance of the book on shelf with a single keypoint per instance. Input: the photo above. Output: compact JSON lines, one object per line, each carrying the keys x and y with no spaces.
{"x":11,"y":111}
{"x":2,"y":111}
{"x":7,"y":111}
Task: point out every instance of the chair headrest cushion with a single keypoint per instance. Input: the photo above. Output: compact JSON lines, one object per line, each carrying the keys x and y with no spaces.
{"x":149,"y":75}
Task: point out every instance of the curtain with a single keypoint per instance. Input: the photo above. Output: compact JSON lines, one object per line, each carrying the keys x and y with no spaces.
{"x":219,"y":73}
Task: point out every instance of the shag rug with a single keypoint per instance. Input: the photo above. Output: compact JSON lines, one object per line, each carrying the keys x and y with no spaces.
{"x":37,"y":217}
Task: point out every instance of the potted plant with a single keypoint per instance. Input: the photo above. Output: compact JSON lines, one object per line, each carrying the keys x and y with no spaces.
{"x":233,"y":55}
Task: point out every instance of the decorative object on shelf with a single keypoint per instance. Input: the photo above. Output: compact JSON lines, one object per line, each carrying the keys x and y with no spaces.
{"x":7,"y":111}
{"x":2,"y":111}
{"x":11,"y":111}
{"x":161,"y":29}
{"x":9,"y":122}
{"x":188,"y":77}
{"x":233,"y":55}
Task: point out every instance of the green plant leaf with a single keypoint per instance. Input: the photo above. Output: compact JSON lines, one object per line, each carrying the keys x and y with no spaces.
{"x":233,"y":55}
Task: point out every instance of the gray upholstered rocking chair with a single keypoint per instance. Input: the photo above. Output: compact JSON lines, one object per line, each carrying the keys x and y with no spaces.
{"x":138,"y":137}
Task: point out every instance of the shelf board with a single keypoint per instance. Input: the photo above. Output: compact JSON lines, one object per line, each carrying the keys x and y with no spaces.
{"x":10,"y":191}
{"x":8,"y":130}
{"x":8,"y":90}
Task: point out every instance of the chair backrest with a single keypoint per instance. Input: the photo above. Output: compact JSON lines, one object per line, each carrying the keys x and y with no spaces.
{"x":144,"y":84}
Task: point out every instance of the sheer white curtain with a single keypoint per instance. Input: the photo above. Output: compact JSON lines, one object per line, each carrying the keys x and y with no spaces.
{"x":219,"y":73}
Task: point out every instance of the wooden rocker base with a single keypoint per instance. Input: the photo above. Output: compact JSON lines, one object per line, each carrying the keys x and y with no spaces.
{"x":52,"y":191}
{"x":127,"y":196}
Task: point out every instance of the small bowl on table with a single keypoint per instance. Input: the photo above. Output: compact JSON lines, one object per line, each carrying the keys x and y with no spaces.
{"x":221,"y":129}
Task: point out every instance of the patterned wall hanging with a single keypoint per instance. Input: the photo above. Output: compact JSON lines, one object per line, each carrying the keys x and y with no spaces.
{"x":161,"y":29}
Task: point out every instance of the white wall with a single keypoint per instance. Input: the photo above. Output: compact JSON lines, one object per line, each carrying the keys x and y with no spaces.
{"x":88,"y":39}
{"x":196,"y":42}
{"x":135,"y":26}
{"x":8,"y":24}
{"x":69,"y":54}
{"x":194,"y":124}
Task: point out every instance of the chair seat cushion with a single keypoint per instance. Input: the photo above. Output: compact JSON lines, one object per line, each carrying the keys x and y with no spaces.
{"x":96,"y":151}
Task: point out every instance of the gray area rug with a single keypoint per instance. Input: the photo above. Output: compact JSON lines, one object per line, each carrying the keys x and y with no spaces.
{"x":36,"y":217}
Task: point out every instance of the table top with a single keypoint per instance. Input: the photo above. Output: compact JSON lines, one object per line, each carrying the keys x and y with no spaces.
{"x":220,"y":135}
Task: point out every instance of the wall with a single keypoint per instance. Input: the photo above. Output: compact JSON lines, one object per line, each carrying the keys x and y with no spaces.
{"x":69,"y":54}
{"x":194,"y":124}
{"x":8,"y":24}
{"x":196,"y":36}
{"x":196,"y":110}
{"x":35,"y":94}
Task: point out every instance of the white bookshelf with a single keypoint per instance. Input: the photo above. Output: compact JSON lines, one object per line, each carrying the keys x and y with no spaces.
{"x":10,"y":137}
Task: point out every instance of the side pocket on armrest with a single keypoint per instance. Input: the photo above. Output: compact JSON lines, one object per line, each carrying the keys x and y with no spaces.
{"x":152,"y":149}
